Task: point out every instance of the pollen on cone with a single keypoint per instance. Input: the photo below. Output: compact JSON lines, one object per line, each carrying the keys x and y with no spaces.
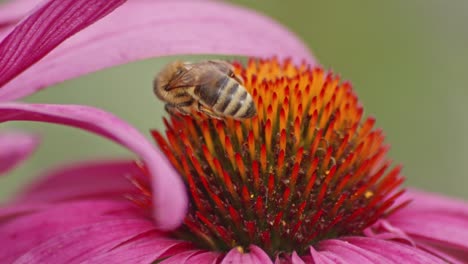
{"x":307,"y":167}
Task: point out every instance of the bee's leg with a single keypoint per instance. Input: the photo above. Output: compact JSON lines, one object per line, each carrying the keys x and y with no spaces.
{"x":208,"y":111}
{"x":175,"y":110}
{"x":171,"y":109}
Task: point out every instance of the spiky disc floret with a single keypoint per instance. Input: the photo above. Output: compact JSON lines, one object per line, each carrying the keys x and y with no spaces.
{"x":306,"y":168}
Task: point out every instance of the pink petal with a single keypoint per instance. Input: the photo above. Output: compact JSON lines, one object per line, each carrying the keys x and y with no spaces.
{"x":450,"y":256}
{"x":295,"y":259}
{"x":392,"y":252}
{"x":445,"y":229}
{"x":435,"y":219}
{"x":204,"y":257}
{"x":193,"y":256}
{"x":14,"y":210}
{"x":256,"y":255}
{"x":289,"y":259}
{"x":318,"y":258}
{"x":86,"y":242}
{"x":145,"y":249}
{"x":350,"y":252}
{"x":104,"y":179}
{"x":382,"y":229}
{"x":28,"y":231}
{"x":15,"y":147}
{"x":11,"y":12}
{"x":423,"y":201}
{"x":337,"y":259}
{"x":50,"y":24}
{"x":145,"y":29}
{"x":170,"y":198}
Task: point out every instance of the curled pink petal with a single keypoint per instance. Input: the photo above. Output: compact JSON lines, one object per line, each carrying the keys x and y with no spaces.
{"x":82,"y":243}
{"x":91,"y":179}
{"x":255,"y":256}
{"x":25,"y":232}
{"x":14,"y":148}
{"x":145,"y":29}
{"x":50,"y":24}
{"x":169,"y":198}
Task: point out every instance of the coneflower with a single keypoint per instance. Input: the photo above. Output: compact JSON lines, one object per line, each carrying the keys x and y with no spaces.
{"x":305,"y":181}
{"x":307,"y":168}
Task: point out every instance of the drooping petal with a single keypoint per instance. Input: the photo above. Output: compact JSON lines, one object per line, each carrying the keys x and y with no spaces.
{"x":144,"y":249}
{"x":318,"y":258}
{"x":180,"y":258}
{"x":295,"y":259}
{"x":30,"y":230}
{"x":84,"y":242}
{"x":382,"y":229}
{"x":255,"y":256}
{"x":12,"y":211}
{"x":350,"y":252}
{"x":193,"y":256}
{"x":392,"y":252}
{"x":92,"y":179}
{"x":289,"y":259}
{"x":145,"y":29}
{"x":435,"y":219}
{"x":205,"y":257}
{"x":14,"y":148}
{"x":169,"y":196}
{"x":364,"y":250}
{"x":51,"y":23}
{"x":449,"y":255}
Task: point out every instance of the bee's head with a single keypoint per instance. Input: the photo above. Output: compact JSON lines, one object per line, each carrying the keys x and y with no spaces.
{"x":164,"y":78}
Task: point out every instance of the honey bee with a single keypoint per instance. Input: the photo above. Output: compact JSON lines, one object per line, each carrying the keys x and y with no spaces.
{"x":209,"y":86}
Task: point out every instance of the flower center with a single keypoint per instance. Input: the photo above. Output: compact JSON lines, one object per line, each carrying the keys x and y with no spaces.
{"x":306,"y":168}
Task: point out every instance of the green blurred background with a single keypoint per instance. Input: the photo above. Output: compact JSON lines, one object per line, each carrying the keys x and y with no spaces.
{"x":408,"y":61}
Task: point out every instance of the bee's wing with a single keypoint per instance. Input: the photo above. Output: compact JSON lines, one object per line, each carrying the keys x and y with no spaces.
{"x":222,"y":66}
{"x":189,"y":77}
{"x":185,"y":79}
{"x":195,"y":74}
{"x":226,"y":68}
{"x":209,"y":86}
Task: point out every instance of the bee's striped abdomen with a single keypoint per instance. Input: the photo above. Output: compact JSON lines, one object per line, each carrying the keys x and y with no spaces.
{"x":235,"y":101}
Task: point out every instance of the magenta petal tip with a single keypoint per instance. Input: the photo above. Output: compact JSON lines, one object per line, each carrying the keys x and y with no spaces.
{"x":14,"y":148}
